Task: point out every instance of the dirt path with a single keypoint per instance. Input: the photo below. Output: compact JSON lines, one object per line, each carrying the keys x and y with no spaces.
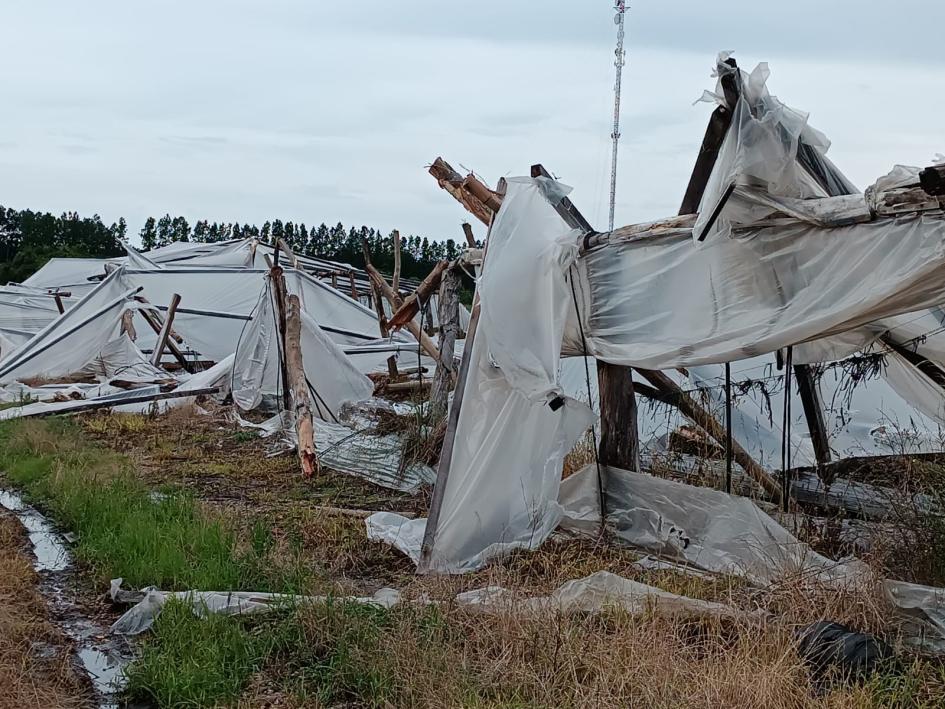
{"x":38,"y":666}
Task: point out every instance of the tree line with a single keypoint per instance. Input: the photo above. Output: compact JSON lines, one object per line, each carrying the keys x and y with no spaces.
{"x":29,"y":239}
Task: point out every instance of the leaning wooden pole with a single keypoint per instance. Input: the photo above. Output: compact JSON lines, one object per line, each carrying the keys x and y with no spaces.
{"x":708,"y":423}
{"x":378,"y":298}
{"x":298,"y":385}
{"x":165,"y":332}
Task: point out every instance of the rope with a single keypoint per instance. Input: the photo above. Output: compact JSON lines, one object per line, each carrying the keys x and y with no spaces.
{"x":590,"y":399}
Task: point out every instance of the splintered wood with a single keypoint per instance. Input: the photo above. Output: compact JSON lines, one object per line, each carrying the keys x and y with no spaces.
{"x":301,"y":400}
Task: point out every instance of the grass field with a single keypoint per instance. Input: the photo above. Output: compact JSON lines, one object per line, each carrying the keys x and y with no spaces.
{"x":172,"y":530}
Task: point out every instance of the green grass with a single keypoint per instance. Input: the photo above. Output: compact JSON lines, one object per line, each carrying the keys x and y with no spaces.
{"x":123,"y":530}
{"x":320,"y":654}
{"x":194,"y":662}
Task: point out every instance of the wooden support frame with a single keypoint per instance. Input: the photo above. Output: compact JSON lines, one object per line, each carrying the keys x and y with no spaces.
{"x":708,"y":423}
{"x":165,"y":332}
{"x":152,"y":316}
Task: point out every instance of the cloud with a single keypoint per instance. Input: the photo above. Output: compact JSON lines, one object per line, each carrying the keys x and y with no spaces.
{"x":313,"y":112}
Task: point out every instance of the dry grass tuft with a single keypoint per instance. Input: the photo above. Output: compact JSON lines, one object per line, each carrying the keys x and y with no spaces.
{"x":36,"y":664}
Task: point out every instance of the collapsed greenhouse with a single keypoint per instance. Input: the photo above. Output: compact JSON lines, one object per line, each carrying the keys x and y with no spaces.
{"x":779,"y":291}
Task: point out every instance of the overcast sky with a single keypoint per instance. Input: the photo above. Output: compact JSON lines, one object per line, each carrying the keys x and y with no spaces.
{"x":318,"y":110}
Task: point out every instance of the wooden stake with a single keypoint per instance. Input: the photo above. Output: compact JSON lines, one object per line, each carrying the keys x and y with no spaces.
{"x":395,"y":279}
{"x":302,"y":405}
{"x":165,"y":330}
{"x":448,"y":314}
{"x":619,"y":442}
{"x":59,"y":304}
{"x":354,"y":287}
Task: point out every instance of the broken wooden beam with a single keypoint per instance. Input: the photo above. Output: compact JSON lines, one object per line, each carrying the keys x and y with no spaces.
{"x":395,"y":302}
{"x":301,"y":401}
{"x":423,"y":293}
{"x":165,"y":330}
{"x":478,"y":199}
{"x":468,"y":233}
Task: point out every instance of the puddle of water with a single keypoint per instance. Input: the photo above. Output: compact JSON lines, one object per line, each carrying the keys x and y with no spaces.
{"x":51,"y":553}
{"x":103,"y":660}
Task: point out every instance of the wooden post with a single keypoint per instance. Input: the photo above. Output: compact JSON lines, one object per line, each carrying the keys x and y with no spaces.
{"x":59,"y":304}
{"x":302,"y":405}
{"x":354,"y":287}
{"x":468,"y":232}
{"x":449,"y":327}
{"x":619,"y":442}
{"x":813,"y":412}
{"x":165,"y":330}
{"x":377,"y":299}
{"x":395,"y":279}
{"x":334,"y":280}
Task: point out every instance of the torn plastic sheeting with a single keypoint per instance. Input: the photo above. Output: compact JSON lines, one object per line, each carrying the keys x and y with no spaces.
{"x":705,"y":528}
{"x":659,"y":303}
{"x":257,"y":365}
{"x":377,"y":459}
{"x":596,"y":593}
{"x":709,"y":530}
{"x":760,"y":152}
{"x":398,"y":531}
{"x":141,"y":616}
{"x":509,"y":445}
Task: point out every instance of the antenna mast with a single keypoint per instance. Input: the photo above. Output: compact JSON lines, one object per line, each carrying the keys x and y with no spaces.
{"x":619,"y":54}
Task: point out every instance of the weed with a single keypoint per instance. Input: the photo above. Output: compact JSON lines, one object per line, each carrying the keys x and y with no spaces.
{"x":189,"y":661}
{"x":126,"y":531}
